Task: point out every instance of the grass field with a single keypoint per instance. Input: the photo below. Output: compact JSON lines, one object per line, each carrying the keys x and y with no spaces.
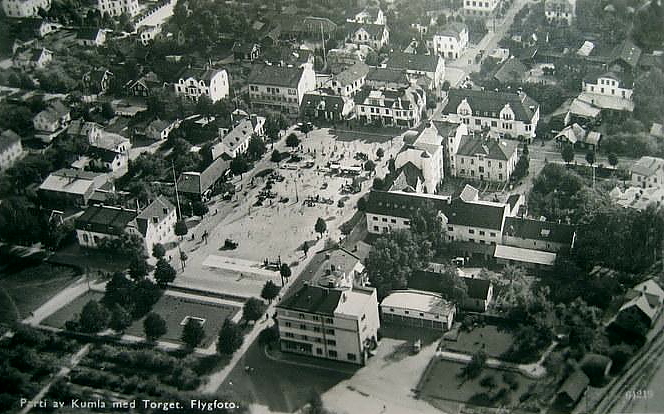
{"x":71,"y":310}
{"x":443,"y":382}
{"x":493,"y":340}
{"x":24,"y":291}
{"x":174,"y":309}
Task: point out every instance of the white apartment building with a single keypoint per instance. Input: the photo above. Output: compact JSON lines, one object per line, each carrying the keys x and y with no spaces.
{"x":115,"y":8}
{"x":236,"y":141}
{"x":648,"y":172}
{"x":24,"y":8}
{"x":375,"y":36}
{"x":451,"y":41}
{"x":483,"y":159}
{"x":156,"y":222}
{"x":558,"y":11}
{"x":427,"y":154}
{"x":480,"y":8}
{"x":333,"y":323}
{"x":280,"y":87}
{"x":504,"y":114}
{"x":401,"y":108}
{"x":350,"y":81}
{"x":196,"y":82}
{"x":610,"y":84}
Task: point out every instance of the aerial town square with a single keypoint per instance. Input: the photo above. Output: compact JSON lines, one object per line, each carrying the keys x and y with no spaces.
{"x":332,"y":206}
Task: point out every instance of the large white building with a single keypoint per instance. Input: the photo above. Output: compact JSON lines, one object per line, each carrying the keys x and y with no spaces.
{"x":24,"y":8}
{"x":280,"y":88}
{"x":401,"y":108}
{"x":350,"y":81}
{"x":156,"y":222}
{"x":480,"y":8}
{"x":236,"y":141}
{"x":485,"y":159}
{"x":418,"y":308}
{"x":117,"y":7}
{"x":558,"y":11}
{"x":331,"y":316}
{"x":613,"y":84}
{"x":372,"y":15}
{"x":427,"y":154}
{"x":450,"y":41}
{"x":512,"y":115}
{"x":194,"y":83}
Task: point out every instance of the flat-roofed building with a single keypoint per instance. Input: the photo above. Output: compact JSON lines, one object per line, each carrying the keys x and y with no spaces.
{"x":419,"y":309}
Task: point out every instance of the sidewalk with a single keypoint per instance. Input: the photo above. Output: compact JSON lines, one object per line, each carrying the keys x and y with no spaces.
{"x":534,"y":371}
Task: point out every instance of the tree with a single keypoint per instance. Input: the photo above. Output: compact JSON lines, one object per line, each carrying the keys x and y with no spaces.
{"x":154,"y":326}
{"x":474,"y":368}
{"x":380,"y":153}
{"x":292,"y":140}
{"x":369,"y":165}
{"x":648,"y":99}
{"x":138,"y":267}
{"x":453,"y":288}
{"x":362,"y":204}
{"x":192,"y":333}
{"x":158,"y":251}
{"x":315,"y":405}
{"x":120,"y":319}
{"x":256,"y":148}
{"x":285,"y":272}
{"x":613,"y":159}
{"x":274,"y":123}
{"x":199,"y":208}
{"x":320,"y":226}
{"x":230,"y":338}
{"x":119,"y":292}
{"x":164,"y":273}
{"x":107,"y":110}
{"x":19,"y":222}
{"x":276,"y":156}
{"x":143,"y":296}
{"x":567,"y":153}
{"x":305,"y":128}
{"x":253,"y":309}
{"x":590,"y":157}
{"x":521,"y":167}
{"x":204,"y":106}
{"x":93,"y":318}
{"x":239,"y":165}
{"x":270,"y":291}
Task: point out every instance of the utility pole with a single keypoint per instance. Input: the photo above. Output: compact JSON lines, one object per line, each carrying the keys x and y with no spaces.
{"x":177,"y":197}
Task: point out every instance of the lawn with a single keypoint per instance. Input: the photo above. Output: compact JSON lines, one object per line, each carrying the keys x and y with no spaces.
{"x":174,"y":309}
{"x":71,"y":310}
{"x":24,"y":291}
{"x":491,"y":339}
{"x":443,"y":382}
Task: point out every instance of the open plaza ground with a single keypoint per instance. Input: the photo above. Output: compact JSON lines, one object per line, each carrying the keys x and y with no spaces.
{"x":278,"y":228}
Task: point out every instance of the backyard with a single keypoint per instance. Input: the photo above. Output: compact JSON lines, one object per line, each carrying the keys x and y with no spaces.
{"x":495,"y":341}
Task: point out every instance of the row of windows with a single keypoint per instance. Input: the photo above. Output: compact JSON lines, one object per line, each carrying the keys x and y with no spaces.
{"x":477,"y":3}
{"x":386,"y":111}
{"x":277,"y":98}
{"x":304,"y":327}
{"x":408,"y":313}
{"x":329,"y":342}
{"x":613,"y":91}
{"x":472,"y":231}
{"x":472,"y":173}
{"x":392,"y":220}
{"x":472,"y":162}
{"x":301,"y":315}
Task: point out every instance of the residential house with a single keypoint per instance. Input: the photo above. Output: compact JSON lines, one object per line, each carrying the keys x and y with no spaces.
{"x":538,"y":234}
{"x":450,"y":41}
{"x":408,"y":178}
{"x":115,"y":8}
{"x":637,"y":198}
{"x":417,"y":67}
{"x":145,"y":85}
{"x":625,"y":57}
{"x":24,"y":8}
{"x":51,"y":121}
{"x":202,"y":185}
{"x":91,"y":37}
{"x":401,"y":108}
{"x":419,"y":309}
{"x":511,"y":71}
{"x":375,"y":36}
{"x":246,"y":51}
{"x":507,"y":114}
{"x":339,"y":323}
{"x":560,"y":11}
{"x":657,"y":130}
{"x":160,"y":129}
{"x":576,"y":135}
{"x":646,"y":298}
{"x":387,"y":78}
{"x":572,"y":389}
{"x":613,"y":84}
{"x":479,"y":291}
{"x":427,"y":155}
{"x":319,"y":105}
{"x":484,"y":159}
{"x":280,"y":88}
{"x":110,"y":152}
{"x":40,"y":27}
{"x":648,"y":172}
{"x":10,"y":148}
{"x":32,"y":58}
{"x":156,"y":223}
{"x":350,"y":81}
{"x":149,"y":33}
{"x":195,"y":82}
{"x":101,"y":222}
{"x":372,"y":15}
{"x":236,"y":142}
{"x":90,"y":131}
{"x":97,"y":81}
{"x":74,"y":188}
{"x":480,"y":8}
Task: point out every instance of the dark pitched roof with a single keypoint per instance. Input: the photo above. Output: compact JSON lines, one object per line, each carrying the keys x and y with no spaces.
{"x":313,"y":299}
{"x":198,"y":183}
{"x":429,"y":280}
{"x":628,"y":52}
{"x":387,"y":75}
{"x":88,"y":33}
{"x":371,"y":28}
{"x":400,"y":204}
{"x":539,"y":230}
{"x":319,"y":100}
{"x":474,"y":214}
{"x":275,"y":76}
{"x":160,"y":208}
{"x":105,"y":220}
{"x":574,"y":385}
{"x":513,"y":70}
{"x":424,"y":63}
{"x":492,"y":102}
{"x":204,"y":74}
{"x":472,"y":145}
{"x":104,"y":154}
{"x":407,"y":176}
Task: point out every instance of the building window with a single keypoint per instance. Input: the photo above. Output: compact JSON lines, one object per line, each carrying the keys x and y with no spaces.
{"x":329,"y":320}
{"x":329,"y":331}
{"x":352,"y":357}
{"x":450,"y":228}
{"x":287,"y":324}
{"x":319,"y":351}
{"x":471,"y":231}
{"x":301,"y":316}
{"x":303,"y":327}
{"x":331,"y":342}
{"x":332,"y":353}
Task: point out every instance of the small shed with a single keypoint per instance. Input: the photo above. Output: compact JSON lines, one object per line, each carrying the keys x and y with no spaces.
{"x":572,"y":389}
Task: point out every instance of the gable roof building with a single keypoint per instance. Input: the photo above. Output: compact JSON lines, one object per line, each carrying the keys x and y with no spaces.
{"x":401,"y":108}
{"x":417,"y":66}
{"x":156,"y":223}
{"x":648,"y":172}
{"x":104,"y":222}
{"x":538,"y":234}
{"x":201,"y":185}
{"x":196,"y":82}
{"x":322,"y":105}
{"x":427,"y":154}
{"x":68,"y":187}
{"x":373,"y":35}
{"x":280,"y":87}
{"x":387,"y":78}
{"x":480,"y":158}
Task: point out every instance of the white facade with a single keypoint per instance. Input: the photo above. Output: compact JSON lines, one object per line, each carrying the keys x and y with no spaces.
{"x":481,"y":159}
{"x":213,"y":83}
{"x":426,"y":153}
{"x":24,"y":8}
{"x":10,"y":149}
{"x":557,"y":11}
{"x":345,"y":333}
{"x":451,"y":43}
{"x":419,"y":309}
{"x":115,"y":8}
{"x":648,"y":172}
{"x":273,"y":94}
{"x":392,"y":108}
{"x":149,"y":33}
{"x":609,"y":85}
{"x":473,"y":234}
{"x":480,"y":7}
{"x":379,"y":223}
{"x":157,"y":223}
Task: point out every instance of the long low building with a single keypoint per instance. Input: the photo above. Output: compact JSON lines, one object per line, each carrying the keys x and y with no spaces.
{"x":526,"y":257}
{"x":418,"y":308}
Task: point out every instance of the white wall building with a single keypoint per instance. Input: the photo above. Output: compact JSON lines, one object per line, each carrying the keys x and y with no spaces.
{"x":10,"y":148}
{"x":401,"y":108}
{"x":648,"y":172}
{"x":428,"y":155}
{"x":280,"y":87}
{"x":481,"y":8}
{"x":194,"y":83}
{"x":24,"y":8}
{"x":156,"y":222}
{"x":483,"y":159}
{"x":115,"y":8}
{"x":104,"y":222}
{"x":418,"y":308}
{"x":451,"y":41}
{"x":610,"y":84}
{"x":558,"y":11}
